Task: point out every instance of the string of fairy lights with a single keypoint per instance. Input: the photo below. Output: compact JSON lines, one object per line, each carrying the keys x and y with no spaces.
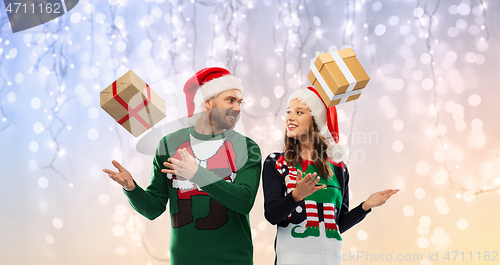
{"x":115,"y":35}
{"x":426,"y":18}
{"x":178,"y":24}
{"x":293,"y":29}
{"x":425,"y":21}
{"x":5,"y":122}
{"x":483,"y":9}
{"x":228,"y":16}
{"x":51,"y":64}
{"x":350,"y":24}
{"x":369,"y":32}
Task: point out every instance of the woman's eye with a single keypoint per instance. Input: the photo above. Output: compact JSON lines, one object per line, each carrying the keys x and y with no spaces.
{"x":300,"y":112}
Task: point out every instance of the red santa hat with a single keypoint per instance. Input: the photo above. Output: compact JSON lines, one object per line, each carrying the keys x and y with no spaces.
{"x":208,"y":83}
{"x":325,"y":118}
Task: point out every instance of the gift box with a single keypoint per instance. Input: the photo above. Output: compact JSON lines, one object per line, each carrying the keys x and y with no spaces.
{"x":133,"y":104}
{"x":338,"y":76}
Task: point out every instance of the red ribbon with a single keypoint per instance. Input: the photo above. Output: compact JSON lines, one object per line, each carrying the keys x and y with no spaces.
{"x":132,"y":112}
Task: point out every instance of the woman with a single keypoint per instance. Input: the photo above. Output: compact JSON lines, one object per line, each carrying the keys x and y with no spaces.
{"x":311,"y":211}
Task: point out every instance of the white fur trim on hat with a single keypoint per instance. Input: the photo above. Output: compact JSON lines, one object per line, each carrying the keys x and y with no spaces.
{"x":313,"y":102}
{"x":216,"y":86}
{"x":337,"y":152}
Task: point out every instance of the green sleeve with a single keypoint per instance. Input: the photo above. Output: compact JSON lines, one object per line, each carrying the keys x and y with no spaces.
{"x":238,"y":196}
{"x":152,"y":202}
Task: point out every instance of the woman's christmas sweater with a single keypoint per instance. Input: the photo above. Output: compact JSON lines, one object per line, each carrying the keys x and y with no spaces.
{"x":308,"y":232}
{"x":209,"y":213}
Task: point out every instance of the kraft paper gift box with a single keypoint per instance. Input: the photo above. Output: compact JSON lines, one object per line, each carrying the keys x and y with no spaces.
{"x":338,"y":76}
{"x":133,"y":104}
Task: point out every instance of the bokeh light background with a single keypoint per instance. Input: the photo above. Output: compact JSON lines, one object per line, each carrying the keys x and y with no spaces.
{"x":425,"y":124}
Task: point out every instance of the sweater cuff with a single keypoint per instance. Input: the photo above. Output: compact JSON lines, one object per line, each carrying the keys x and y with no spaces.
{"x":290,"y":203}
{"x":133,"y":193}
{"x":360,"y":210}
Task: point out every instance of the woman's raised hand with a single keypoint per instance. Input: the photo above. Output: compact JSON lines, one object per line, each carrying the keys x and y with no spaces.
{"x":305,"y":186}
{"x":378,"y":198}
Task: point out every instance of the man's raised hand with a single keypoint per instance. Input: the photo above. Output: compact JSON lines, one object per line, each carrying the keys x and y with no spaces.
{"x":185,"y":168}
{"x":121,"y":177}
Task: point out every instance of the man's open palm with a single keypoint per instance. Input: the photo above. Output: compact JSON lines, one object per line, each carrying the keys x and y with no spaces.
{"x":122,"y":177}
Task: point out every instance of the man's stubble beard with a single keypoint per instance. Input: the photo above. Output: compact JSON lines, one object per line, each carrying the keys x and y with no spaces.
{"x":219,"y":117}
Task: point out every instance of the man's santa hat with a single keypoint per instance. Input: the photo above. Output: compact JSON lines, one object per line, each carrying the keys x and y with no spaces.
{"x":208,"y":83}
{"x":325,"y":118}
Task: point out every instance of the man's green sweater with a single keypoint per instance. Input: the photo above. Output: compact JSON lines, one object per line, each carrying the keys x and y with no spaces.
{"x":209,"y":213}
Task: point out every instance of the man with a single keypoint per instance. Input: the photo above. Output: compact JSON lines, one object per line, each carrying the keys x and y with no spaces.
{"x":209,"y":173}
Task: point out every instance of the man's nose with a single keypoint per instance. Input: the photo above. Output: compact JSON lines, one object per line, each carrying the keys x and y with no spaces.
{"x":237,"y":107}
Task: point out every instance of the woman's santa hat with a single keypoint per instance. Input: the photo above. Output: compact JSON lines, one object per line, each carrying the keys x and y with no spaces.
{"x":325,"y":118}
{"x":208,"y":83}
